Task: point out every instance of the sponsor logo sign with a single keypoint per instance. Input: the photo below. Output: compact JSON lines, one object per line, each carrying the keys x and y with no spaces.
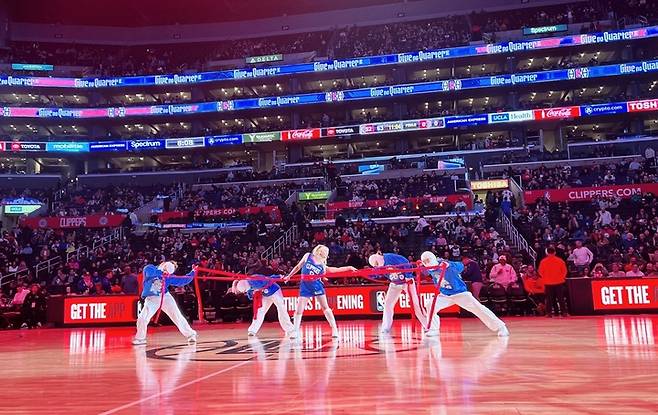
{"x":644,"y":105}
{"x":337,"y":131}
{"x":20,"y":146}
{"x":603,"y":109}
{"x":490,"y":184}
{"x":108,"y":146}
{"x":305,"y":134}
{"x":140,"y":145}
{"x":557,"y":113}
{"x":223,"y":140}
{"x":261,"y":137}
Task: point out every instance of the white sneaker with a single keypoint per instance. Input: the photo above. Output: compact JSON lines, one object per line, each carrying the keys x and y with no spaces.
{"x":251,"y":334}
{"x":192,"y":338}
{"x":503,"y":332}
{"x":138,"y":342}
{"x":432,"y":333}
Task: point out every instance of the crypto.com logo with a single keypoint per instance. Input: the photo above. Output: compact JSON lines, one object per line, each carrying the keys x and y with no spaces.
{"x":235,"y":350}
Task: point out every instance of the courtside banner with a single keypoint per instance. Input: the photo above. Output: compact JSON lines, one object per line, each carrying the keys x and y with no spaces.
{"x":362,"y":301}
{"x":99,"y":310}
{"x":382,"y":203}
{"x":625,"y":294}
{"x":66,"y":222}
{"x":272,"y":211}
{"x":586,"y":194}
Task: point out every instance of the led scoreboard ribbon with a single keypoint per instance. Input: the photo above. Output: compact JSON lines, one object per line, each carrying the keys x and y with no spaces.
{"x":432,"y":55}
{"x":454,"y":121}
{"x":527,"y":78}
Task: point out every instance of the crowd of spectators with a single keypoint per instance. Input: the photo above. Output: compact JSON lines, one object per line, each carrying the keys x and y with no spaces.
{"x":402,"y":37}
{"x":341,"y":42}
{"x":631,"y":171}
{"x":435,"y":184}
{"x":86,"y":200}
{"x":608,"y":237}
{"x":236,"y":197}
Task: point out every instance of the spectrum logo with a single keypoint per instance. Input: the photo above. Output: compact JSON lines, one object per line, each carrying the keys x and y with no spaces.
{"x":145,"y":144}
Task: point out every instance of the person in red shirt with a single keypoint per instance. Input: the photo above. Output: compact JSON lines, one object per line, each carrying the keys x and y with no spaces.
{"x":534,"y":286}
{"x":553,"y":271}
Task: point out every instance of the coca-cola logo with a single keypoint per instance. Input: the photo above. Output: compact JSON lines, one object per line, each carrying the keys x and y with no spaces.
{"x":301,"y":134}
{"x":558,"y":113}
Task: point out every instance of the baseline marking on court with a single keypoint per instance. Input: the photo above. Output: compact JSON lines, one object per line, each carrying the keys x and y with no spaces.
{"x":181,"y":386}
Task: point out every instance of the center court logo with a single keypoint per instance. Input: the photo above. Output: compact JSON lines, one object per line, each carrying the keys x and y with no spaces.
{"x":236,"y":350}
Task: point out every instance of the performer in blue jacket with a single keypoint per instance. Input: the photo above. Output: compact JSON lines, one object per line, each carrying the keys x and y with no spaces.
{"x":313,"y":266}
{"x":453,"y":291}
{"x":398,"y":282}
{"x":156,"y":282}
{"x":271,"y":295}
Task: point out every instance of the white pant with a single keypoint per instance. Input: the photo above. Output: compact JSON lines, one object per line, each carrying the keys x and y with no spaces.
{"x":466,"y":301}
{"x":284,"y":318}
{"x":392,"y":295}
{"x":169,"y":306}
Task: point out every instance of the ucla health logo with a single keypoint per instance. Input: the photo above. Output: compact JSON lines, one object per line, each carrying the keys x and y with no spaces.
{"x":499,"y":117}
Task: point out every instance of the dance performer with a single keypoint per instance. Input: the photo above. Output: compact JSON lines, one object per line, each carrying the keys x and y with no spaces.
{"x":271,"y":292}
{"x":313,"y":266}
{"x":453,"y":291}
{"x":156,"y":283}
{"x":398,"y":282}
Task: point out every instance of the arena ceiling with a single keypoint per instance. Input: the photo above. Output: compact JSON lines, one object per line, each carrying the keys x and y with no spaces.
{"x":136,"y":13}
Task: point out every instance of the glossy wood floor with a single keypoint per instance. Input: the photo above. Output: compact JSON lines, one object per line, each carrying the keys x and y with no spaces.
{"x":587,"y":365}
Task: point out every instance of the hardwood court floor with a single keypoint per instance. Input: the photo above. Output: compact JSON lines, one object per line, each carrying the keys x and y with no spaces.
{"x":587,"y":365}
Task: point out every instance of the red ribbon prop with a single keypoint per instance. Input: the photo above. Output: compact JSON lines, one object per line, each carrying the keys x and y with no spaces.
{"x":364,"y":273}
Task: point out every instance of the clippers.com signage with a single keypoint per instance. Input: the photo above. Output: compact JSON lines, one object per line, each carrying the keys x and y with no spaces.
{"x":99,"y":310}
{"x":272,"y":211}
{"x":362,"y":301}
{"x":306,"y":134}
{"x":557,"y":113}
{"x":587,"y":194}
{"x":334,"y":207}
{"x":631,"y":294}
{"x":65,"y":222}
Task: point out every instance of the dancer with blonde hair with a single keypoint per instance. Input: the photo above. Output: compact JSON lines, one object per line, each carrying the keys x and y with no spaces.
{"x":313,"y":266}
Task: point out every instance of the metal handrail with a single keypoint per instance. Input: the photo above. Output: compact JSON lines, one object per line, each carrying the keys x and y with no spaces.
{"x":55,"y":261}
{"x":515,"y":237}
{"x":280,"y":243}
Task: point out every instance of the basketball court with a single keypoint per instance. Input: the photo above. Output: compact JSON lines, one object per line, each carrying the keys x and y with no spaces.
{"x":578,"y":365}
